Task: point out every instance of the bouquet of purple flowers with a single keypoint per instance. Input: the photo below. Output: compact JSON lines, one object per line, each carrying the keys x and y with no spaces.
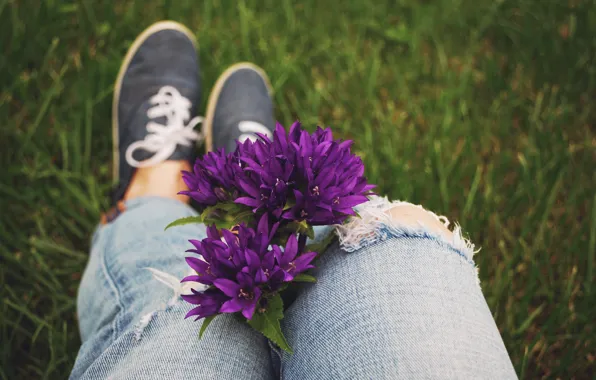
{"x":260,"y":204}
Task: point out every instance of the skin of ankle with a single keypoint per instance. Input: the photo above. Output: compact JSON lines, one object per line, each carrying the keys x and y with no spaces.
{"x":162,"y":180}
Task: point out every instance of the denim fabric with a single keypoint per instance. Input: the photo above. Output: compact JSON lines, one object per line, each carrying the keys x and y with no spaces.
{"x":406,"y":307}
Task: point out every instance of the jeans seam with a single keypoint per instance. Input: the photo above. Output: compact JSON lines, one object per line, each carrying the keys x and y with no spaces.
{"x":437,"y":240}
{"x":277,"y":352}
{"x":115,"y":291}
{"x":389,"y":234}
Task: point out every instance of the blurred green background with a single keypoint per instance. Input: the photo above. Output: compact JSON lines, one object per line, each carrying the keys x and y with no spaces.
{"x":482,"y":110}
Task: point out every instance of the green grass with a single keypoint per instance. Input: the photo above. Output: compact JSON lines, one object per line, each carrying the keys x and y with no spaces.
{"x":482,"y":110}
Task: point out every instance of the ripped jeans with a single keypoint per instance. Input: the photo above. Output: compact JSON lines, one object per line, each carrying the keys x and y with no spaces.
{"x":395,"y":299}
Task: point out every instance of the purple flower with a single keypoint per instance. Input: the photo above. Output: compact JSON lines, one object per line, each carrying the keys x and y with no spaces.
{"x":244,"y":294}
{"x":302,"y":176}
{"x":240,"y":266}
{"x":333,"y":178}
{"x":209,"y":303}
{"x":268,"y":186}
{"x":296,"y":176}
{"x":213,"y":178}
{"x":290,"y":264}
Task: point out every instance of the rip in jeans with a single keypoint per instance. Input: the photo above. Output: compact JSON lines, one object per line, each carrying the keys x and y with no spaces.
{"x":178,"y":289}
{"x":376,"y":224}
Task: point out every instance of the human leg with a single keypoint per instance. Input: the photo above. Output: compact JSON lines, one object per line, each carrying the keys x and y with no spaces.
{"x":398,"y":298}
{"x":132,"y":326}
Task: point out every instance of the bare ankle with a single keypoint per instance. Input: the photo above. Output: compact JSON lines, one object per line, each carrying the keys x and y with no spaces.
{"x":162,"y":180}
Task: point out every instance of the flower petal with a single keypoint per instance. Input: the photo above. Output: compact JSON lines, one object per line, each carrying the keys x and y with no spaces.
{"x":288,"y":276}
{"x":191,"y":279}
{"x":228,"y":287}
{"x":194,"y":311}
{"x":231,"y":306}
{"x":197,"y":265}
{"x":251,"y":202}
{"x":260,"y":277}
{"x":252,"y":259}
{"x":249,"y":309}
{"x":244,"y":280}
{"x":279,"y":256}
{"x":263,"y":226}
{"x":304,"y":260}
{"x":291,"y":248}
{"x":273,"y":230}
{"x":230,"y":238}
{"x":250,"y":189}
{"x":352,"y":201}
{"x":192,"y":298}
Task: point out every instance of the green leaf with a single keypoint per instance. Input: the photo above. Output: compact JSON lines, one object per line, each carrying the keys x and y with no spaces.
{"x":210,"y":212}
{"x":321,"y":246}
{"x":206,"y":322}
{"x":303,"y":277}
{"x":310,"y":232}
{"x":280,"y":238}
{"x":244,"y":216}
{"x":227,"y":214}
{"x":302,"y":228}
{"x":183,"y":221}
{"x":219,"y":223}
{"x":232,"y":207}
{"x":267,"y":322}
{"x":289,"y":204}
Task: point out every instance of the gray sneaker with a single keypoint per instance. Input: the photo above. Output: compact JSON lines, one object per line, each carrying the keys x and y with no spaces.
{"x":155,"y":96}
{"x":239,"y":106}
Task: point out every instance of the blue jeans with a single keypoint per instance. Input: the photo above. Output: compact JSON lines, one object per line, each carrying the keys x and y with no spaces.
{"x":393,"y":301}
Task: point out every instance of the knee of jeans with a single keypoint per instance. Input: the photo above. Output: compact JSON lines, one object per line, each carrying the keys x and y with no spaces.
{"x":380,"y":219}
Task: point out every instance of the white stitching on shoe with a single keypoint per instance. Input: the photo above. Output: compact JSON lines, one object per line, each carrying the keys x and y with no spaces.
{"x":249,"y":128}
{"x":163,"y":139}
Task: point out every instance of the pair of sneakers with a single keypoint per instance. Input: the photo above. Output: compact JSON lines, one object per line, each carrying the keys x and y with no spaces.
{"x":156,"y":95}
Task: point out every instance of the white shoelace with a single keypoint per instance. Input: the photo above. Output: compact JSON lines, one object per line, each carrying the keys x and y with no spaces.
{"x":163,"y":139}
